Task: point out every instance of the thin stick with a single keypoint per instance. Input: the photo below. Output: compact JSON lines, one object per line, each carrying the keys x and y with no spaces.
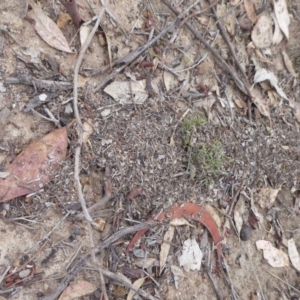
{"x":74,"y":271}
{"x":296,"y":290}
{"x":78,"y":120}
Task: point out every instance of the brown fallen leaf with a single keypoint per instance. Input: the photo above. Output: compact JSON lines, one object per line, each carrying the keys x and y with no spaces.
{"x":137,"y":284}
{"x":187,"y":210}
{"x":63,"y":20}
{"x":35,"y":166}
{"x":79,"y":289}
{"x":47,"y":29}
{"x":250,"y":10}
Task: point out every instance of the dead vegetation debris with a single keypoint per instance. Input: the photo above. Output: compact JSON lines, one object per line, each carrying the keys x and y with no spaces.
{"x":174,"y":114}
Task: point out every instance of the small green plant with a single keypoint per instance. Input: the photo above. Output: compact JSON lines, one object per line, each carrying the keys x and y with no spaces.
{"x":210,"y":158}
{"x":205,"y":161}
{"x":188,"y":125}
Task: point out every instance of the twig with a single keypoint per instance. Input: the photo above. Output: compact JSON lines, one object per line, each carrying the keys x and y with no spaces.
{"x":120,"y":279}
{"x":240,"y":84}
{"x":73,"y":272}
{"x":78,"y":120}
{"x":102,"y":281}
{"x":296,"y":290}
{"x":105,"y":199}
{"x":129,"y":58}
{"x":48,"y":85}
{"x":74,"y":256}
{"x":229,"y":45}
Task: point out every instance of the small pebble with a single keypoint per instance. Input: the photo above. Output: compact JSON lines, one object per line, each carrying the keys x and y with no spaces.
{"x":246,"y":232}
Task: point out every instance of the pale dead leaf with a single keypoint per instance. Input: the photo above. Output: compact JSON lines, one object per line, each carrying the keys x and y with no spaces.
{"x":234,"y":2}
{"x":277,"y":35}
{"x":145,"y":262}
{"x":79,"y":289}
{"x":282,"y":16}
{"x":275,"y":257}
{"x":214,"y":214}
{"x":250,"y":10}
{"x":240,"y":103}
{"x":263,"y":74}
{"x":47,"y":29}
{"x":262,"y":32}
{"x":294,"y":254}
{"x":137,"y":284}
{"x":177,"y":271}
{"x":165,"y":247}
{"x":191,"y":255}
{"x":63,"y":19}
{"x":260,"y":102}
{"x":128,"y":92}
{"x":296,"y":109}
{"x":288,"y":64}
{"x":170,"y":80}
{"x":180,"y":222}
{"x":267,"y":196}
{"x":87,"y":130}
{"x":84,"y":32}
{"x":230,"y":24}
{"x":239,"y":211}
{"x":262,"y":58}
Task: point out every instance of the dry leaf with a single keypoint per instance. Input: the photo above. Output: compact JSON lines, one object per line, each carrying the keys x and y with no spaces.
{"x":277,"y":35}
{"x":234,"y":2}
{"x":288,"y":64}
{"x":181,"y":222}
{"x":230,"y":24}
{"x":79,"y":289}
{"x":47,"y":29}
{"x":187,"y":210}
{"x":240,"y":103}
{"x":239,"y":211}
{"x":191,"y":255}
{"x":63,"y":20}
{"x":296,"y":109}
{"x":145,"y":262}
{"x":294,"y":254}
{"x":87,"y":130}
{"x":262,"y":32}
{"x":165,"y":247}
{"x":260,"y":102}
{"x":263,"y":74}
{"x":84,"y":32}
{"x":250,"y":10}
{"x":137,"y":284}
{"x":275,"y":257}
{"x":169,"y":80}
{"x":35,"y":166}
{"x":266,"y":197}
{"x":177,"y":272}
{"x":128,"y":92}
{"x":282,"y":16}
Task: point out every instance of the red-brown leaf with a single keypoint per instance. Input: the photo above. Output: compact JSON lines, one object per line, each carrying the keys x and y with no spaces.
{"x":33,"y":168}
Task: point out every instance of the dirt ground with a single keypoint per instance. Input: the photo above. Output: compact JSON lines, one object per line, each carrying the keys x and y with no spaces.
{"x":194,"y":136}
